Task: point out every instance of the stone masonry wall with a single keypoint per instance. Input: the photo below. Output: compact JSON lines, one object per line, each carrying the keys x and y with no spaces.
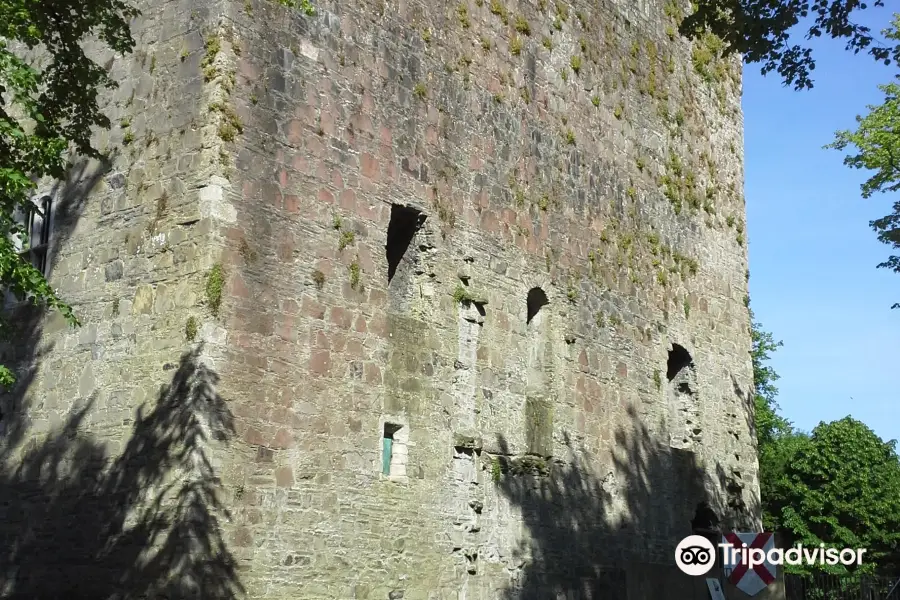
{"x":511,"y":231}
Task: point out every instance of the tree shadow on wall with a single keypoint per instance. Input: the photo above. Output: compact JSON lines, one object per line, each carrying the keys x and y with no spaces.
{"x":80,"y":521}
{"x":591,"y":536}
{"x":80,"y":524}
{"x":25,"y":323}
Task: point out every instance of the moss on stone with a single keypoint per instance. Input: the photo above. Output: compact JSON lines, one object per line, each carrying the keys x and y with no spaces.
{"x":355,"y":274}
{"x":515,"y":45}
{"x":522,"y":25}
{"x":529,"y":465}
{"x":496,"y":470}
{"x":498,"y":8}
{"x":706,"y":58}
{"x":318,"y":278}
{"x":346,"y":238}
{"x":191,"y":328}
{"x":212,"y":45}
{"x":215,"y":285}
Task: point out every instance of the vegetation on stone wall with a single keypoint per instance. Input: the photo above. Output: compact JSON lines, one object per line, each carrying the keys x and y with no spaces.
{"x":528,"y":465}
{"x":462,"y":295}
{"x":649,"y":70}
{"x":346,"y":237}
{"x":640,"y":255}
{"x":212,"y":44}
{"x":304,"y":5}
{"x":220,"y":50}
{"x":215,"y":285}
{"x":355,"y":274}
{"x":49,"y":111}
{"x":191,"y":327}
{"x":687,"y":185}
{"x":249,"y":254}
{"x":318,"y":278}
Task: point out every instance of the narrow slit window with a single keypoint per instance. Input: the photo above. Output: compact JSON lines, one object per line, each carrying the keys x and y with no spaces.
{"x":387,"y":441}
{"x":402,"y":228}
{"x":40,"y":235}
{"x":387,"y":447}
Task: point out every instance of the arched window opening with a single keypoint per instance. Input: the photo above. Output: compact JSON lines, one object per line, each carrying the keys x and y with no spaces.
{"x":536,"y":300}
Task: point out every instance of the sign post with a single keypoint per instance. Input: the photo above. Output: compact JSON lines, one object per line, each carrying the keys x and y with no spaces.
{"x":736,"y":563}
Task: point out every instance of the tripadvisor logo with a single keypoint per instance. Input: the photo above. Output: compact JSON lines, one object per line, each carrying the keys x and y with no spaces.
{"x":797,"y":555}
{"x":695,"y":555}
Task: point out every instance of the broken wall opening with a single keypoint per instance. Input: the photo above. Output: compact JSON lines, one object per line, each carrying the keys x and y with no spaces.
{"x":536,"y":300}
{"x":679,"y":359}
{"x":405,"y":222}
{"x":706,"y":523}
{"x":705,"y":520}
{"x":539,"y":348}
{"x":683,"y":402}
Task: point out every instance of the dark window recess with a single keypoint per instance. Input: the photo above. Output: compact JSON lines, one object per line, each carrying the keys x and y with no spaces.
{"x":536,"y":299}
{"x":37,"y":226}
{"x":705,"y":519}
{"x":679,"y":358}
{"x":405,"y":222}
{"x":706,"y":523}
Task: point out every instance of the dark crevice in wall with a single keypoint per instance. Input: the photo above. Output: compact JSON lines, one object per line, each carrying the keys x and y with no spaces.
{"x":706,"y":523}
{"x":705,"y":519}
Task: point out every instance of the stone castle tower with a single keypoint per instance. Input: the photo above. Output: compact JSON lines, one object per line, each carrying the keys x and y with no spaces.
{"x":394,"y":300}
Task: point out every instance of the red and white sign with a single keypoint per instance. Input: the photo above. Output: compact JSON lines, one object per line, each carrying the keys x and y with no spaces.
{"x":749,"y":576}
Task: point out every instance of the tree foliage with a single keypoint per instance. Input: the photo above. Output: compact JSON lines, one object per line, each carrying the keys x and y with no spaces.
{"x":48,"y":112}
{"x":875,"y":146}
{"x":769,"y":424}
{"x":839,"y":485}
{"x":760,"y":30}
{"x":775,"y":435}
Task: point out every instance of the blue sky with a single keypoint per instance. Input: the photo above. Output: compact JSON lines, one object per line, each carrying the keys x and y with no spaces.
{"x":813,"y":279}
